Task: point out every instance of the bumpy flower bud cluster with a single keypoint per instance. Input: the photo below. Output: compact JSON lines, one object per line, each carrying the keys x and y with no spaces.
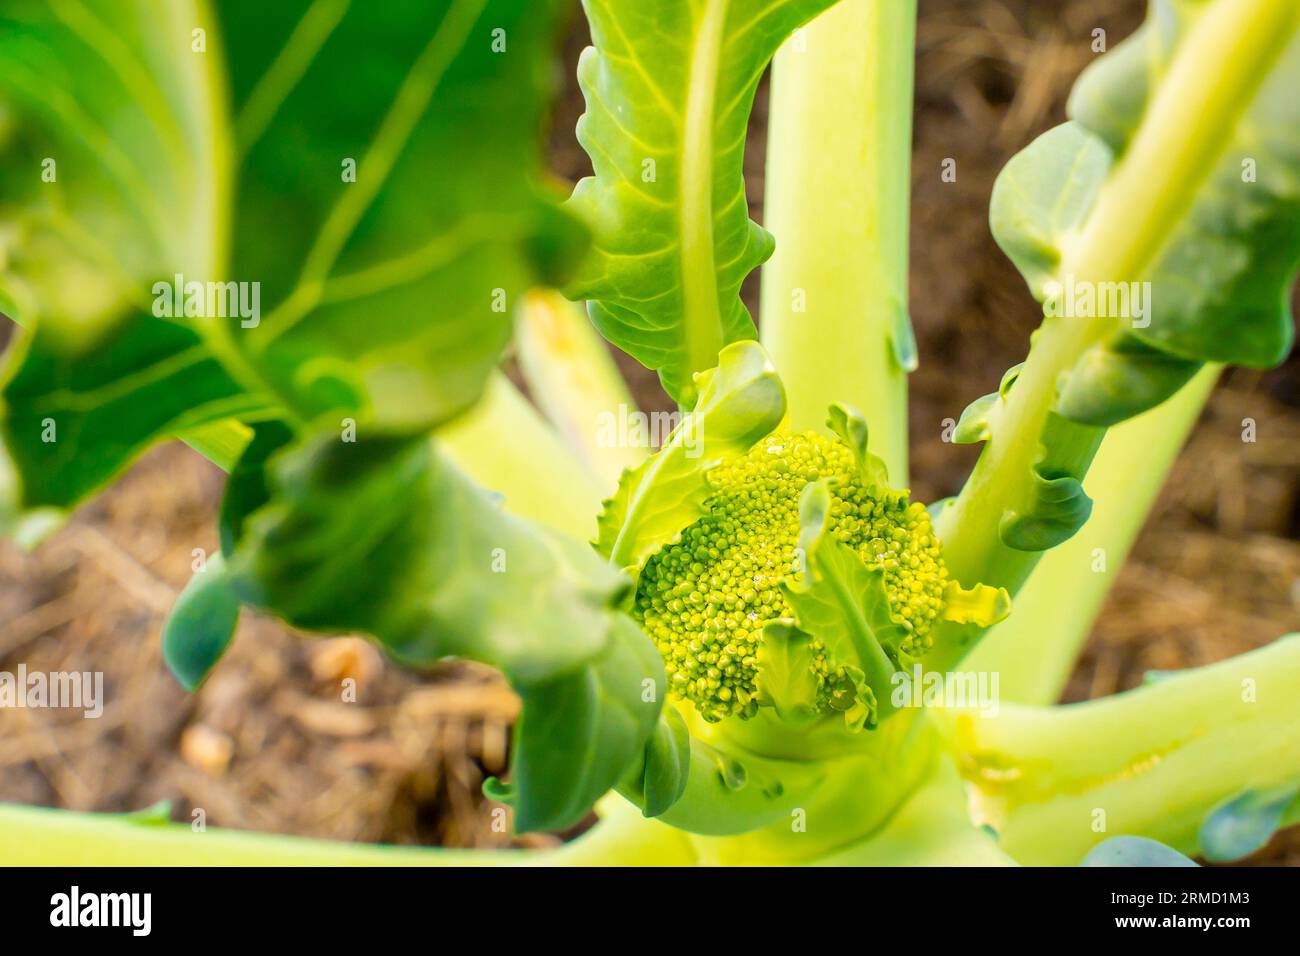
{"x":704,"y":600}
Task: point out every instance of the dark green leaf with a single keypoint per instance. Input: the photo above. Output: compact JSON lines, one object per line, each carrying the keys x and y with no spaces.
{"x":102,"y":150}
{"x":246,"y":487}
{"x":437,"y":105}
{"x":667,"y":764}
{"x":74,"y":418}
{"x":579,"y":734}
{"x":201,"y":624}
{"x":384,"y":537}
{"x":389,"y":298}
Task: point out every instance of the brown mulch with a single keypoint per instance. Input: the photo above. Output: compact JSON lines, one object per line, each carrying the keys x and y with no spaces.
{"x":269,"y":744}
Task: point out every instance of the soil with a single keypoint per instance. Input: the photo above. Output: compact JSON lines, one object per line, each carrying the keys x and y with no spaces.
{"x":268,"y":744}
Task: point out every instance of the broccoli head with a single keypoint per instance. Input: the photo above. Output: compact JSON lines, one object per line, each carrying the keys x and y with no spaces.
{"x":705,"y":599}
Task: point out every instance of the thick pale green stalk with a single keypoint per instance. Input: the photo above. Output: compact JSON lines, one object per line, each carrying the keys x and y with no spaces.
{"x":38,"y":836}
{"x":1034,"y":650}
{"x":504,"y":445}
{"x":576,"y":384}
{"x":834,"y":314}
{"x":1209,"y":86}
{"x":1153,"y":762}
{"x":843,"y":788}
{"x":931,"y":829}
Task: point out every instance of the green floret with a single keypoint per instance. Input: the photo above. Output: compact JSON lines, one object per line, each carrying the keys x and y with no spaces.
{"x":705,"y":600}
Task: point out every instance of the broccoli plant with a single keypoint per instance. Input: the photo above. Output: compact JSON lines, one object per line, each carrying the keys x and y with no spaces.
{"x":303,"y":237}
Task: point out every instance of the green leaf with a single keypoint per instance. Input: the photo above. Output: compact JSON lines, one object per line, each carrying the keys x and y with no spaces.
{"x":1134,"y":851}
{"x":669,"y":87}
{"x":439,"y":107}
{"x":75,"y":414}
{"x":787,"y":680}
{"x":851,"y":427}
{"x":579,"y":734}
{"x":201,"y":625}
{"x":1216,"y":286}
{"x":1121,"y":378}
{"x":103,"y":147}
{"x":1043,"y":196}
{"x":844,"y":604}
{"x":1245,"y":823}
{"x":384,"y":537}
{"x":1221,"y":279}
{"x":975,"y":424}
{"x":740,"y":402}
{"x":246,"y":486}
{"x":156,"y":185}
{"x":1040,"y":201}
{"x":1057,"y":506}
{"x":100,"y":166}
{"x":664,"y":775}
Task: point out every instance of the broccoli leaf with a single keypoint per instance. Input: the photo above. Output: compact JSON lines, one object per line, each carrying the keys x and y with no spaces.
{"x":664,"y":776}
{"x":402,"y":143}
{"x":1137,"y":225}
{"x":101,"y":162}
{"x":1218,"y":280}
{"x":125,"y":179}
{"x":201,"y":624}
{"x":1221,"y":278}
{"x":1134,"y":851}
{"x":851,"y":427}
{"x":246,"y":486}
{"x":844,"y":604}
{"x":383,"y":536}
{"x":1041,"y":200}
{"x":75,"y":414}
{"x":579,"y":734}
{"x":669,"y":87}
{"x":1243,"y":824}
{"x":740,"y":402}
{"x":787,"y":680}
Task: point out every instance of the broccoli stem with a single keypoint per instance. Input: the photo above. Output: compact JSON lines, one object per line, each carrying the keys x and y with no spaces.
{"x":1034,"y":650}
{"x":1054,"y":781}
{"x":834,"y":310}
{"x":1210,"y":85}
{"x":506,"y":446}
{"x":574,"y":380}
{"x":39,"y":836}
